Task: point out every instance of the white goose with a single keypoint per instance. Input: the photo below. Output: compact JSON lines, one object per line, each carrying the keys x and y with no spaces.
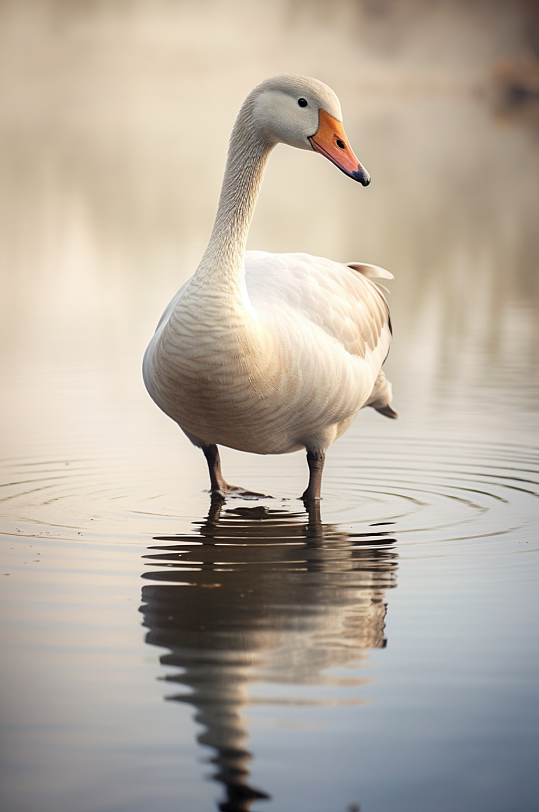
{"x":271,"y":353}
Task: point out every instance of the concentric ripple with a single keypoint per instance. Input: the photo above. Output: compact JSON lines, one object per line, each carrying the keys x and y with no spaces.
{"x":94,"y":498}
{"x":453,"y":490}
{"x":418,"y":488}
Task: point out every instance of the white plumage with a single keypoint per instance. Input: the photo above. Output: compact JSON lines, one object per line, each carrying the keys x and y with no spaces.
{"x":270,"y":353}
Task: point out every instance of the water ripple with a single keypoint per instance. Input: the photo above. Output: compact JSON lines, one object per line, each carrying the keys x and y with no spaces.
{"x":420,"y":488}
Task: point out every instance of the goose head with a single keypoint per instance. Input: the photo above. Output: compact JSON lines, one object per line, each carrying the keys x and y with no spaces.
{"x":304,"y":113}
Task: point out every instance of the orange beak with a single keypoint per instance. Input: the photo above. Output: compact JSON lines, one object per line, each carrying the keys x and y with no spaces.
{"x":330,"y":140}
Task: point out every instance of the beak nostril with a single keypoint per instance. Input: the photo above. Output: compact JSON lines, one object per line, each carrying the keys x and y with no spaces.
{"x":330,"y":141}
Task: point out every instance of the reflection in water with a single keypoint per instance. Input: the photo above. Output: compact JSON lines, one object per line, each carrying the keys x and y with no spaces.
{"x":260,"y":595}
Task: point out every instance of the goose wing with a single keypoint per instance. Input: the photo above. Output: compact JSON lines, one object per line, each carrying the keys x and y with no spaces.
{"x":339,"y":299}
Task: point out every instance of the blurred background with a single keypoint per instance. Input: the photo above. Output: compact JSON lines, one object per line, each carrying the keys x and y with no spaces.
{"x":114,"y":120}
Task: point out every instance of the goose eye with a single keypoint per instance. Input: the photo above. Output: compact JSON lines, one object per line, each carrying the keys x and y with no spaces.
{"x":302,"y":102}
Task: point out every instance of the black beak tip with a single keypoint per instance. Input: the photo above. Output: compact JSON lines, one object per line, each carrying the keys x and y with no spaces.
{"x":362,"y":176}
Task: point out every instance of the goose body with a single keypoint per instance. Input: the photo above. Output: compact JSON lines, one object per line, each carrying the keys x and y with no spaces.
{"x":271,"y":353}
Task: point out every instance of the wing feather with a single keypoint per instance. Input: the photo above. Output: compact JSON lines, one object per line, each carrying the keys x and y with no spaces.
{"x":343,"y":302}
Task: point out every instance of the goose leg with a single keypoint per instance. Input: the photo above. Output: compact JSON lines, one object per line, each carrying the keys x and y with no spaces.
{"x":218,"y":485}
{"x":315,"y":461}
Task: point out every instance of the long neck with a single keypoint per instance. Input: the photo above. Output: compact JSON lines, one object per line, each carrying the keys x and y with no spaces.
{"x":222,"y":263}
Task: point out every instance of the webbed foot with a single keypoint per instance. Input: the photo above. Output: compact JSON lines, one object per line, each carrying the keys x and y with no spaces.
{"x":219,"y":488}
{"x":225,"y":490}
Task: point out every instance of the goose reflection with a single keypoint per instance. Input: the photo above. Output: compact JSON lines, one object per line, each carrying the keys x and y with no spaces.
{"x":257,"y":595}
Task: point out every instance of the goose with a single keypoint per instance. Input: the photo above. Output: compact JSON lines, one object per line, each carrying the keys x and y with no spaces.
{"x":272,"y":353}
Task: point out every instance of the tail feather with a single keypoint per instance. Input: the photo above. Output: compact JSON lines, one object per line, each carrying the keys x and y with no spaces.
{"x":387,"y":411}
{"x":381,"y":396}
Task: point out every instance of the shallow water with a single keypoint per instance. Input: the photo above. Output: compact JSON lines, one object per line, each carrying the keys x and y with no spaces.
{"x":160,"y":651}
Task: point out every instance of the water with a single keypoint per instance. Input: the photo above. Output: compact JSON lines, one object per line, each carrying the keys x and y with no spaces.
{"x":160,"y":651}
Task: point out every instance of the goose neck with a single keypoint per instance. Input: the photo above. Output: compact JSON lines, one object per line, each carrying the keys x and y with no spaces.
{"x":247,"y":157}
